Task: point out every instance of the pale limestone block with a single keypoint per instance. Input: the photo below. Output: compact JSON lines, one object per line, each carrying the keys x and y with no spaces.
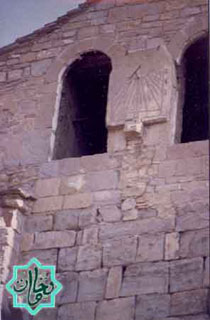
{"x":114,"y":283}
{"x":106,"y":197}
{"x":27,"y":242}
{"x":72,"y":185}
{"x":15,"y":74}
{"x":193,"y":300}
{"x":68,"y":294}
{"x":186,"y":274}
{"x":54,"y":239}
{"x":128,"y":204}
{"x":117,"y":309}
{"x":67,"y":259}
{"x":153,"y":304}
{"x":38,"y":223}
{"x":172,"y":246}
{"x":48,"y":204}
{"x":78,"y":201}
{"x":89,"y":257}
{"x":92,"y":285}
{"x":150,"y":248}
{"x":194,"y":243}
{"x":87,"y":217}
{"x":17,"y":221}
{"x":103,"y":180}
{"x":46,"y":314}
{"x":47,"y":257}
{"x":40,"y":67}
{"x":66,"y":220}
{"x":110,"y":213}
{"x":130,"y":215}
{"x":90,"y":235}
{"x":78,"y":311}
{"x":119,"y":252}
{"x":47,"y":188}
{"x":145,"y":278}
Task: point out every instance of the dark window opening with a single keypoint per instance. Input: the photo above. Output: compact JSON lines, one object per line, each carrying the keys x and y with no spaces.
{"x":81,"y":128}
{"x":195,"y":109}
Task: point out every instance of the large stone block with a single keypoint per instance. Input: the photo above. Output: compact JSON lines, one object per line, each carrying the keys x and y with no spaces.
{"x":90,"y":235}
{"x":99,"y":162}
{"x":69,"y":281}
{"x":40,"y":67}
{"x":172,"y":246}
{"x":65,"y":220}
{"x":54,"y":239}
{"x":48,"y":257}
{"x":74,"y":184}
{"x":107,"y":197}
{"x":89,"y":257}
{"x":47,"y":187}
{"x":114,"y":282}
{"x":186,"y":274}
{"x":194,"y":243}
{"x":87,"y":217}
{"x":110,"y":213}
{"x":119,"y":252}
{"x":45,"y":314}
{"x":118,"y":309}
{"x":194,"y":301}
{"x":67,"y":259}
{"x":92,"y":285}
{"x":207,"y":273}
{"x":145,"y":278}
{"x":131,"y":228}
{"x":38,"y":223}
{"x":78,"y":201}
{"x":150,"y":248}
{"x":48,"y":204}
{"x":104,"y":180}
{"x":152,"y":306}
{"x":77,"y":311}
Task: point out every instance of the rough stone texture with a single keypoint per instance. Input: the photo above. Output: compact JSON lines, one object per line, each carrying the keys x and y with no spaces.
{"x":38,"y":224}
{"x":67,"y":259}
{"x":152,"y":306}
{"x":110,"y":213}
{"x":77,"y":201}
{"x":68,"y":294}
{"x":82,"y":311}
{"x":172,"y":246}
{"x":89,"y":257}
{"x":54,"y":239}
{"x":145,"y":278}
{"x":119,"y":309}
{"x":92,"y":285}
{"x":150,"y":248}
{"x":114,"y":282}
{"x":186,"y":274}
{"x":194,"y":243}
{"x":66,"y":220}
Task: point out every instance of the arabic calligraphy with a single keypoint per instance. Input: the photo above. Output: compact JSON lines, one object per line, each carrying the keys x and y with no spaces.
{"x":34,"y":286}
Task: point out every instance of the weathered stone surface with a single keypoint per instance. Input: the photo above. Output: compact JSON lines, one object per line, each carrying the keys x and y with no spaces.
{"x":38,"y":223}
{"x":186,"y":274}
{"x":48,"y":257}
{"x":48,"y":204}
{"x":147,"y":213}
{"x":15,"y":74}
{"x":67,"y":259}
{"x":144,"y":278}
{"x":66,"y":220}
{"x":194,"y":243}
{"x":92,"y":285}
{"x":87,"y":217}
{"x":152,"y":306}
{"x":195,"y":301}
{"x":89,"y":258}
{"x":110,"y":213}
{"x":40,"y":67}
{"x":172,"y":246}
{"x":90,"y":235}
{"x":119,"y":252}
{"x":99,"y":162}
{"x":130,"y":215}
{"x":69,"y":281}
{"x":80,"y":311}
{"x":114,"y":282}
{"x":47,"y":187}
{"x":54,"y":239}
{"x":104,"y":180}
{"x":118,"y":309}
{"x":193,"y":216}
{"x":27,"y":242}
{"x":150,"y":248}
{"x":129,"y":228}
{"x":107,"y":197}
{"x":46,"y":314}
{"x":3,"y":76}
{"x":128,"y":204}
{"x":73,"y":184}
{"x":78,"y":201}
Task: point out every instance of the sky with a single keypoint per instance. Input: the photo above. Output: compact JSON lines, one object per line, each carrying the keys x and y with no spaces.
{"x":21,"y":17}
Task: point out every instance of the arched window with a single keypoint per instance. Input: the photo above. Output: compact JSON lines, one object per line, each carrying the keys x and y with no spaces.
{"x":81,"y":128}
{"x":195,"y":81}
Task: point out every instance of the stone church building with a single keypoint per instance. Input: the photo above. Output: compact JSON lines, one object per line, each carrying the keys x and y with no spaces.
{"x":104,"y":160}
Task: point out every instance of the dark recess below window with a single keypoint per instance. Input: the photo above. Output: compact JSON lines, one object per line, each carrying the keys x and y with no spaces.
{"x":81,"y":128}
{"x":195,"y":110}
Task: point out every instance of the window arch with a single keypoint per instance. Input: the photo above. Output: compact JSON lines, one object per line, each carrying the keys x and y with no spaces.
{"x":81,"y":128}
{"x":194,"y":68}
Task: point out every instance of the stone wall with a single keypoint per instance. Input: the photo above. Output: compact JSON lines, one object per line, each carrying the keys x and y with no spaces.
{"x":127,"y":230}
